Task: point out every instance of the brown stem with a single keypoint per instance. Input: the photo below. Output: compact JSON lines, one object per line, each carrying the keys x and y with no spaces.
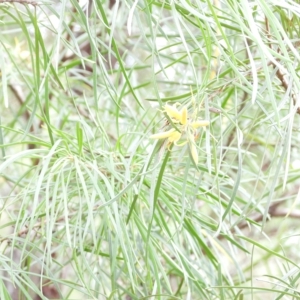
{"x":281,"y":73}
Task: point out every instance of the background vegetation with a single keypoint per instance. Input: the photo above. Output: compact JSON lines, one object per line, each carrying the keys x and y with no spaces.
{"x":91,"y":207}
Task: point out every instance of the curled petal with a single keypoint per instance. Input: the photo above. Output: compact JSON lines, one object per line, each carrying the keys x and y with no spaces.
{"x":200,"y":123}
{"x":194,"y":153}
{"x":184,"y":115}
{"x":163,"y":135}
{"x":173,"y":112}
{"x":174,"y":137}
{"x":180,"y":144}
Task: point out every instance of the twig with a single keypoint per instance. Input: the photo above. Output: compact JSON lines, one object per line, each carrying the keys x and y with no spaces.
{"x":274,"y":212}
{"x":281,"y":73}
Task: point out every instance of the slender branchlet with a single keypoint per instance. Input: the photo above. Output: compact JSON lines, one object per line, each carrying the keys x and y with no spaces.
{"x":282,"y":73}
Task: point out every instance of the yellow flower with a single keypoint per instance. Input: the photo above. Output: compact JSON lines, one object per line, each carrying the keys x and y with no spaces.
{"x":187,"y":127}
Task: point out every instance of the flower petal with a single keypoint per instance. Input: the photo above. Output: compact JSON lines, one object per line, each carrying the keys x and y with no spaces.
{"x":184,"y":115}
{"x":194,"y":153}
{"x":163,"y":135}
{"x":200,"y":123}
{"x":173,"y":112}
{"x":175,"y":137}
